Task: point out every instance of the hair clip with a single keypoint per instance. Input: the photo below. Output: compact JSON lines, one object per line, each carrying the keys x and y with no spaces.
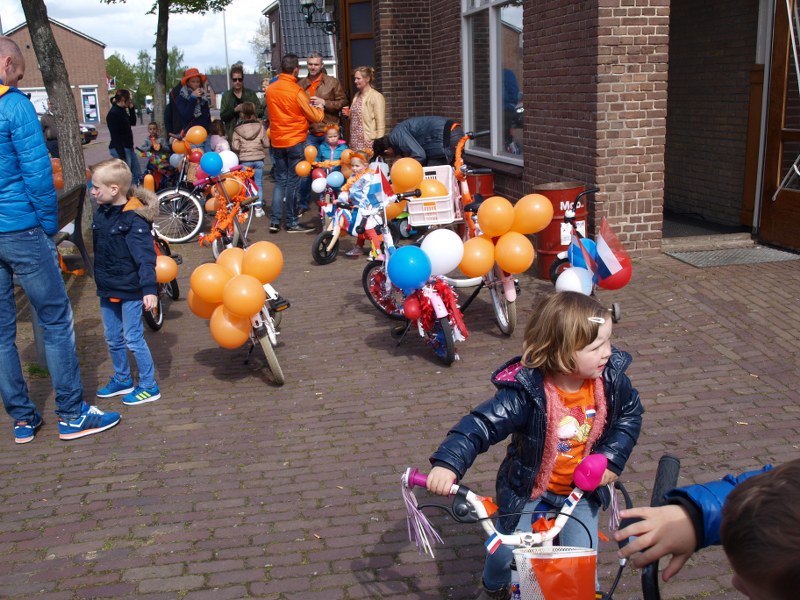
{"x":598,"y":320}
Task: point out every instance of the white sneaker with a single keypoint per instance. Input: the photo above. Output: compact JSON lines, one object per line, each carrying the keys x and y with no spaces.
{"x":259,"y":212}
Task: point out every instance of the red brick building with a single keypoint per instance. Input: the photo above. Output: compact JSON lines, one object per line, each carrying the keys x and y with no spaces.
{"x":86,"y":66}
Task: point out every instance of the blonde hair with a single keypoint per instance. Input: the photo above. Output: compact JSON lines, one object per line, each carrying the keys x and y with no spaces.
{"x":562,"y":323}
{"x":113,"y":171}
{"x":366,"y":72}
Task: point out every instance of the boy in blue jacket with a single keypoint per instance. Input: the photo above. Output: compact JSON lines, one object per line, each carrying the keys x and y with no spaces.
{"x":125,"y":274}
{"x":754,"y":515}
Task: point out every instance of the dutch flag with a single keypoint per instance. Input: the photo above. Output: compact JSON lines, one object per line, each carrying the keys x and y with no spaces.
{"x":493,"y":543}
{"x":609,"y":249}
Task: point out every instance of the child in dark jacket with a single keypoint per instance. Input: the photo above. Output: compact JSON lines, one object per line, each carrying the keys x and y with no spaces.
{"x":566,"y":397}
{"x":125,"y":274}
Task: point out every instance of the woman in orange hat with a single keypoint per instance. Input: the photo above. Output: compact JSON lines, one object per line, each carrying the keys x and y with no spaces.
{"x":191,"y":102}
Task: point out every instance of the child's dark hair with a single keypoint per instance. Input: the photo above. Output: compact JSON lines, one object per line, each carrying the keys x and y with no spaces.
{"x":562,"y":323}
{"x":761,"y":530}
{"x":248,"y":111}
{"x":217,"y":127}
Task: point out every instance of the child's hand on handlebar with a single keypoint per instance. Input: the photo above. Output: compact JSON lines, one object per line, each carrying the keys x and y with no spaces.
{"x":440,"y":481}
{"x":662,"y":530}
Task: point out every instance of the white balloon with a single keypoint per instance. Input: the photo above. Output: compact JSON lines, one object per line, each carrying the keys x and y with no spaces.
{"x":575,"y":279}
{"x":229,"y":160}
{"x":445,"y":249}
{"x":319,"y":184}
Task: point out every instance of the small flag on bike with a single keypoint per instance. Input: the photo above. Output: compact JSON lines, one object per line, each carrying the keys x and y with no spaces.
{"x":493,"y":543}
{"x":610,"y":252}
{"x":379,"y":189}
{"x":588,"y":259}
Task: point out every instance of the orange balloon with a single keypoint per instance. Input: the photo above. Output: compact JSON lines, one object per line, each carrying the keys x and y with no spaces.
{"x":211,"y":205}
{"x":344,"y":157}
{"x":178,"y":147}
{"x":495,"y":216}
{"x":244,"y":296}
{"x":149,"y":183}
{"x":478,"y":257}
{"x":187,"y":147}
{"x":208,"y":280}
{"x":231,"y":186}
{"x":166,"y":268}
{"x":55,"y":163}
{"x":310,"y":152}
{"x":231,"y":259}
{"x":532,"y":213}
{"x":395,"y":209}
{"x":58,"y":180}
{"x":229,"y":330}
{"x":514,"y":252}
{"x":196,"y":135}
{"x":406,"y":174}
{"x":302,"y":168}
{"x":431,"y":188}
{"x":200,"y":307}
{"x":346,"y":171}
{"x":264,"y":261}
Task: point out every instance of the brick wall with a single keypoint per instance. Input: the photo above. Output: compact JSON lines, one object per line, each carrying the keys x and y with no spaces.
{"x":84,"y":60}
{"x":712,"y":47}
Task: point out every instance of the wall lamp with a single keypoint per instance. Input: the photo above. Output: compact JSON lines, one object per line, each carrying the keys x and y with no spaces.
{"x":327,"y":23}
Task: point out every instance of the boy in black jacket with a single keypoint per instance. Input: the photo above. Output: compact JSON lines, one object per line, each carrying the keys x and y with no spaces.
{"x":125,"y":274}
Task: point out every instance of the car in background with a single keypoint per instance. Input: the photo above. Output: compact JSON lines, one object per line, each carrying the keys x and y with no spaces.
{"x":88,"y":133}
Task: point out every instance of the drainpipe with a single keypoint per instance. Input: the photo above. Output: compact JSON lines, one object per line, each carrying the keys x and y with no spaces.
{"x":766,"y":20}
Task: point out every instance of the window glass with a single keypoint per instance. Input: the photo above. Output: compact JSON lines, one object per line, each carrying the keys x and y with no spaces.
{"x":361,"y":18}
{"x":481,"y":77}
{"x":511,"y":75}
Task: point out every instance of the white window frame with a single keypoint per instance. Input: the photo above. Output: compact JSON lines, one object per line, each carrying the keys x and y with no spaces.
{"x":469,"y":8}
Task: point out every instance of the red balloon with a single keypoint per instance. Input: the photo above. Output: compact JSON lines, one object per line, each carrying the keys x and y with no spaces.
{"x":195,"y":155}
{"x":620,"y":278}
{"x":200,"y":174}
{"x":411,"y":308}
{"x":318,"y":172}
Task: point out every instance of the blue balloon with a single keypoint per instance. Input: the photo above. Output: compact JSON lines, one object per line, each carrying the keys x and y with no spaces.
{"x":211,"y":163}
{"x":409,"y":268}
{"x":575,"y":255}
{"x":335,"y":179}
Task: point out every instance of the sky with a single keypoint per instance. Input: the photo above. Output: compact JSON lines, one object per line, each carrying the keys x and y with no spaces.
{"x":125,"y":29}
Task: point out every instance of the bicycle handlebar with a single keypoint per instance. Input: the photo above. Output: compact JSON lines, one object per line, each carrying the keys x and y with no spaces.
{"x":410,"y":194}
{"x":476,"y":134}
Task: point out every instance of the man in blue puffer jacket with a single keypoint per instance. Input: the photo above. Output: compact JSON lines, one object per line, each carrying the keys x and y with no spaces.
{"x":28,"y":220}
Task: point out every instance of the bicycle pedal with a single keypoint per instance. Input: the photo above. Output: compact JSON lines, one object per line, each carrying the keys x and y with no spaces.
{"x":279,"y":304}
{"x":178,"y":259}
{"x":517,"y":289}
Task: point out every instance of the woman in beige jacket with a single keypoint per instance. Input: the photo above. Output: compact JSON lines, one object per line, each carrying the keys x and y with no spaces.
{"x":367,"y":112}
{"x":250,"y":144}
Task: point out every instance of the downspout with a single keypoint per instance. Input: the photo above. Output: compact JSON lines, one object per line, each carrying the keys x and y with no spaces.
{"x":766,"y":20}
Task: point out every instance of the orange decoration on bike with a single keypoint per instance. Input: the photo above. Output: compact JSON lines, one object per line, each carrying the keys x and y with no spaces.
{"x":495,"y":216}
{"x":432,"y":188}
{"x":302,"y":168}
{"x":406,"y":175}
{"x":395,"y":209}
{"x":208,"y":280}
{"x":310,"y":152}
{"x":196,"y":135}
{"x":514,"y":252}
{"x":166,"y":269}
{"x":200,"y":307}
{"x":231,"y":260}
{"x":532,"y":213}
{"x":264,"y":261}
{"x":478,"y":257}
{"x":149,"y":183}
{"x":178,"y":147}
{"x":243,"y":296}
{"x":227,"y":329}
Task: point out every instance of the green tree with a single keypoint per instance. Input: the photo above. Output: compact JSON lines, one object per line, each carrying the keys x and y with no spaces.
{"x":162,"y":9}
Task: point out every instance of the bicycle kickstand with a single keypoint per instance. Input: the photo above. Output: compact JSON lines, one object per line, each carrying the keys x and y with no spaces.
{"x":399,"y":332}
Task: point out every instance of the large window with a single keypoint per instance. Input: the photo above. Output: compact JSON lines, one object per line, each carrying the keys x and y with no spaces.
{"x":493,"y":76}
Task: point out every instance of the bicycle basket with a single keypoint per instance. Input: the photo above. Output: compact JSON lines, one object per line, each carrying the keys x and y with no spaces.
{"x":556,"y":572}
{"x":437,"y":210}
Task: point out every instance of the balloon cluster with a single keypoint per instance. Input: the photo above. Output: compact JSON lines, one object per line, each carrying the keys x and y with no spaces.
{"x":603,"y":262}
{"x":230,"y":291}
{"x":320,"y":179}
{"x":503,"y":240}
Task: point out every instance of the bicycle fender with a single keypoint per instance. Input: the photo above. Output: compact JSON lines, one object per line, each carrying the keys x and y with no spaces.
{"x":438,"y":306}
{"x":509,"y":289}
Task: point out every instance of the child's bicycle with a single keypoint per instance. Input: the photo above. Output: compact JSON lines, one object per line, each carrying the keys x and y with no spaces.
{"x":155,"y":317}
{"x":564,"y":258}
{"x":180,"y":208}
{"x":228,"y":209}
{"x":541,"y":566}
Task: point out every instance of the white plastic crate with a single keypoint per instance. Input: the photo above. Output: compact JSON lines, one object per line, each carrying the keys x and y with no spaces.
{"x":437,"y":210}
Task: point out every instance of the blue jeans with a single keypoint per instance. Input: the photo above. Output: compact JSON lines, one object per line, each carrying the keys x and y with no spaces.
{"x":122,"y":322}
{"x":30,"y":255}
{"x":132,"y":161}
{"x":304,"y":187}
{"x":258,"y":176}
{"x":286,"y":179}
{"x":497,"y":567}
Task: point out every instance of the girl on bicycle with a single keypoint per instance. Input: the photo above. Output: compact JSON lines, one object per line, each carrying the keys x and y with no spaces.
{"x":356,"y":189}
{"x":566,"y":397}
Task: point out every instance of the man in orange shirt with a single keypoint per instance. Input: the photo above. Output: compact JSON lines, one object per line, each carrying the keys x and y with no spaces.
{"x":290,"y":113}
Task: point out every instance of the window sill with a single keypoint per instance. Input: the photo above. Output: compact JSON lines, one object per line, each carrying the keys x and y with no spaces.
{"x":498,"y":166}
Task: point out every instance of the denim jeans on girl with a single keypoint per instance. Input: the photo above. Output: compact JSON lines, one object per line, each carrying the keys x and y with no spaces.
{"x":122,"y":322}
{"x":497,"y":567}
{"x":258,"y":177}
{"x":30,"y":255}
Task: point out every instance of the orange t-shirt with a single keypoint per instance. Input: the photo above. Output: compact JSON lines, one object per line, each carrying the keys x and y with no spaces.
{"x":573,"y":431}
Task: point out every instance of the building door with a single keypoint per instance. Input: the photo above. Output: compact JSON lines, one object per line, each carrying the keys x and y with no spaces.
{"x":91,"y":113}
{"x":780,"y":203}
{"x":358,"y":40}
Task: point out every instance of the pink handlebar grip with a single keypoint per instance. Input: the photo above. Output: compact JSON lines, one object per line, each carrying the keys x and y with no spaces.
{"x":416,"y":478}
{"x":589,"y":473}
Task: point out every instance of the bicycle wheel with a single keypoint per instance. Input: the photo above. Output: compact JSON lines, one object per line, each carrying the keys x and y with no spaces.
{"x":266,"y":343}
{"x":505,"y":312}
{"x":385,"y":296}
{"x":666,"y":478}
{"x":442,"y":341}
{"x":180,"y":216}
{"x":319,"y":248}
{"x":154,"y":318}
{"x":219,"y":245}
{"x":172,"y":289}
{"x":243,"y":229}
{"x":557,"y":268}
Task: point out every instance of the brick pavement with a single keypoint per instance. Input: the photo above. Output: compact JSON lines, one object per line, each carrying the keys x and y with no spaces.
{"x":231,"y":487}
